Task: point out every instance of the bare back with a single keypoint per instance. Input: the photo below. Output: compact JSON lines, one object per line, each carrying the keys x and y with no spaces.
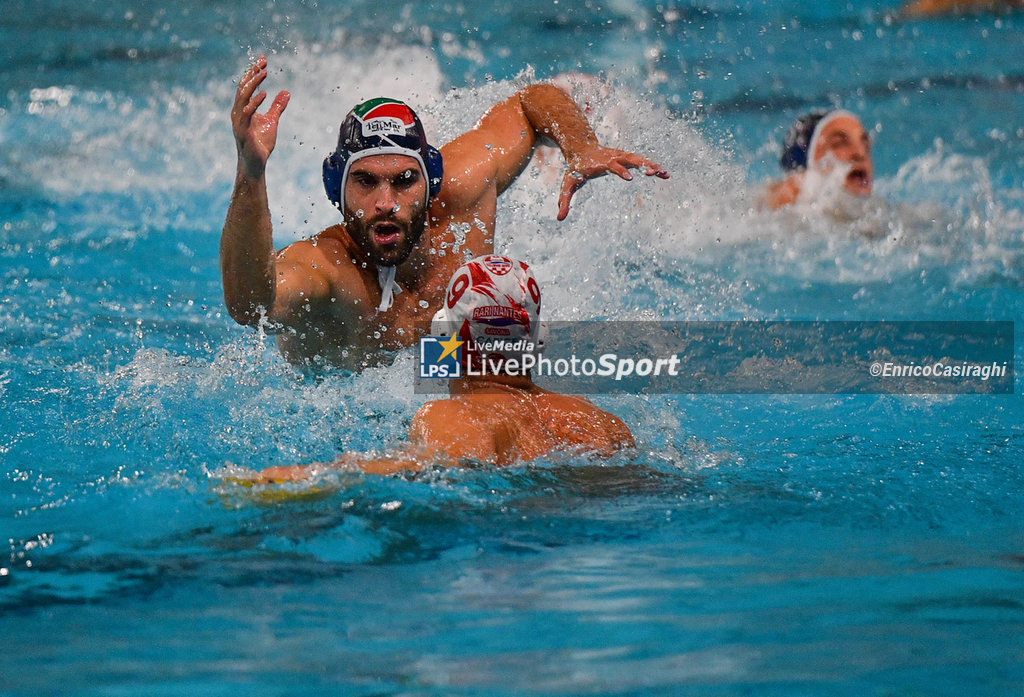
{"x":498,"y":427}
{"x":516,"y":426}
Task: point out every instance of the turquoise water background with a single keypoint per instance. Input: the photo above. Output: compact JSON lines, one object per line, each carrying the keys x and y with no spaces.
{"x":754,"y":545}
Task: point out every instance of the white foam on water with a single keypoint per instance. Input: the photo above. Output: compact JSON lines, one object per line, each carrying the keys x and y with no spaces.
{"x":682,"y":248}
{"x":631,"y":244}
{"x":247,"y":403}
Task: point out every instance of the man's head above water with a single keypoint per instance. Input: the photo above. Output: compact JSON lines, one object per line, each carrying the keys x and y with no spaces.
{"x":825,"y":139}
{"x":384,"y":207}
{"x":357,"y":289}
{"x":382,"y":177}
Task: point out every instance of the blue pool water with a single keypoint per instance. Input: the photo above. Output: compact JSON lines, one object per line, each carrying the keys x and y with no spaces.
{"x":754,"y":545}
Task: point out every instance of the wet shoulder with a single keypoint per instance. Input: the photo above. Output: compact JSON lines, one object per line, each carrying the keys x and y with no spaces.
{"x":320,"y":251}
{"x":578,"y":421}
{"x":328,"y":257}
{"x":457,"y":427}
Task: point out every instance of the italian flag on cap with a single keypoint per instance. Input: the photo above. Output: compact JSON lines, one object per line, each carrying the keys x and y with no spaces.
{"x":384,"y":108}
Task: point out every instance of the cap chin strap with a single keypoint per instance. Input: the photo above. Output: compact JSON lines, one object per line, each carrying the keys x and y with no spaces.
{"x":389,"y":288}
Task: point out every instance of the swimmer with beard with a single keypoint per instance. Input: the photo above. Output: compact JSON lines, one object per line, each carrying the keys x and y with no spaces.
{"x":363,"y":286}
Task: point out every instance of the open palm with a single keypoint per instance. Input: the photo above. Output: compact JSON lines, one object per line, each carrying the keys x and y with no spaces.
{"x":255,"y":133}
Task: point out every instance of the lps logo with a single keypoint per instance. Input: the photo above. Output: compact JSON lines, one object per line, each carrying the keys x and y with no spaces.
{"x":440,"y":357}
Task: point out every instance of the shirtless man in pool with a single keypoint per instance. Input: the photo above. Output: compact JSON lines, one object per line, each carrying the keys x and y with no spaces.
{"x":823,"y":141}
{"x":497,"y":419}
{"x":365,"y":284}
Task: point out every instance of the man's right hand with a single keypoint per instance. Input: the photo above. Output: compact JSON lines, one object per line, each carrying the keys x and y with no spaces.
{"x":255,"y":133}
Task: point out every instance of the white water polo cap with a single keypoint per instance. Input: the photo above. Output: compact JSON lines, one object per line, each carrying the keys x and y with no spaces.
{"x":493,"y":302}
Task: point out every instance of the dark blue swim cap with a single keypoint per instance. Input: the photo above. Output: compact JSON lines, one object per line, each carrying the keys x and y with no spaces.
{"x":381,"y":126}
{"x":798,"y":140}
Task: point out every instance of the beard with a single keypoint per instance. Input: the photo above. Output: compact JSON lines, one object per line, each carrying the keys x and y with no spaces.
{"x":386,"y":240}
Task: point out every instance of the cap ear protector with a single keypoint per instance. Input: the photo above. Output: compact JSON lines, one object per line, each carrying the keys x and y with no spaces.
{"x":495,"y":302}
{"x":802,"y":139}
{"x":796,"y":150}
{"x":435,"y":171}
{"x":378,"y":127}
{"x":442,"y":325}
{"x":333,"y":166}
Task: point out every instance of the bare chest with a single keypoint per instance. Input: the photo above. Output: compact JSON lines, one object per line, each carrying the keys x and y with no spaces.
{"x":351,"y":330}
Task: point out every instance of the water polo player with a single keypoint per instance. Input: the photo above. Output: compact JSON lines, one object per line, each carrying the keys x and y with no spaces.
{"x":361,"y":286}
{"x":817,"y":146}
{"x":495,"y":418}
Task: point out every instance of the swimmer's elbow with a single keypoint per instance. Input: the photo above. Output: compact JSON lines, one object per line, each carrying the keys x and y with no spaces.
{"x":246,"y":313}
{"x":240,"y":314}
{"x":248,"y":300}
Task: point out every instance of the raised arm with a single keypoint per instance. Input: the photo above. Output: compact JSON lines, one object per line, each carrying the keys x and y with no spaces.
{"x":556,"y":116}
{"x":246,"y":243}
{"x":498,"y":148}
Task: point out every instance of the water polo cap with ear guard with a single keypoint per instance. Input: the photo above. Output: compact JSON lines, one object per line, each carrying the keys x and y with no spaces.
{"x":492,"y":300}
{"x":381,"y":126}
{"x":796,"y":148}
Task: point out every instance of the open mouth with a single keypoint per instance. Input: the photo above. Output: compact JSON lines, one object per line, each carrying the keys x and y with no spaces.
{"x":385,"y":234}
{"x":858,"y":180}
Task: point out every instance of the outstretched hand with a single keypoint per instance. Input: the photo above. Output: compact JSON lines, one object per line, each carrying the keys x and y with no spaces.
{"x":255,"y":133}
{"x":597,"y":163}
